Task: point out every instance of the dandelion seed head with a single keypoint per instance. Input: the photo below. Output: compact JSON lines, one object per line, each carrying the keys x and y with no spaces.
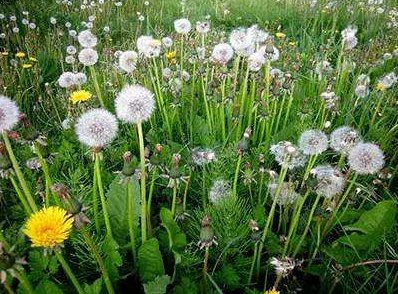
{"x":388,"y":80}
{"x":222,"y":53}
{"x":288,"y":155}
{"x":313,"y":142}
{"x":88,"y":56}
{"x":256,"y":61}
{"x":287,"y":194}
{"x":66,"y":79}
{"x":221,"y":189}
{"x":202,"y":27}
{"x":366,"y":158}
{"x":330,"y":181}
{"x":256,"y":34}
{"x":127,"y":61}
{"x":148,"y":46}
{"x":343,"y":139}
{"x":96,"y":128}
{"x":167,"y":42}
{"x":9,"y":113}
{"x":240,"y":40}
{"x":71,"y":50}
{"x":80,"y":78}
{"x":202,"y":156}
{"x":87,"y":39}
{"x":134,"y":104}
{"x":182,"y":26}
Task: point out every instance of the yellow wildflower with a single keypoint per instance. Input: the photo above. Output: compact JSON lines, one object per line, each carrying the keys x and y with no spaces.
{"x":272,"y":291}
{"x":280,"y":35}
{"x":380,"y":87}
{"x":20,"y":54}
{"x":5,"y":53}
{"x":32,"y":59}
{"x":48,"y":227}
{"x":79,"y":96}
{"x":171,"y":55}
{"x":27,"y":65}
{"x":291,"y":43}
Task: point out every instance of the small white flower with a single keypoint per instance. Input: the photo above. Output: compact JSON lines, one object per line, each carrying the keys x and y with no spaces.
{"x":71,"y":50}
{"x":72,"y":33}
{"x":127,"y":61}
{"x":87,"y":39}
{"x":88,"y":56}
{"x":134,"y":104}
{"x":182,"y":26}
{"x":70,"y":59}
{"x":9,"y":113}
{"x":96,"y":128}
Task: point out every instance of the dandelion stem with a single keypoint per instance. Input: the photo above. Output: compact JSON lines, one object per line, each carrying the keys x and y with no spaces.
{"x":253,"y":263}
{"x":21,"y":197}
{"x":69,"y":272}
{"x":131,"y":211}
{"x":96,"y":86}
{"x":235,"y":184}
{"x":151,"y":188}
{"x":25,"y":283}
{"x":18,"y":172}
{"x":143,"y":176}
{"x":173,"y":204}
{"x":102,"y":194}
{"x":95,"y":203}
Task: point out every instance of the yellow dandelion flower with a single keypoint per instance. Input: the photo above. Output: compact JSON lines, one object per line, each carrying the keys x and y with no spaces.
{"x":291,"y":43}
{"x":27,"y":65}
{"x":272,"y":291}
{"x":80,"y":96}
{"x":5,"y":53}
{"x":171,"y":55}
{"x":49,"y":227}
{"x":20,"y":54}
{"x":32,"y":59}
{"x":380,"y":87}
{"x":280,"y":35}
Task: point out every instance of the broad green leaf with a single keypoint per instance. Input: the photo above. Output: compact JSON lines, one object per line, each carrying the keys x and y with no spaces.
{"x":118,"y":209}
{"x":150,"y":262}
{"x":177,"y":239}
{"x":46,"y":287}
{"x":94,"y":288}
{"x":157,"y":286}
{"x":112,"y":257}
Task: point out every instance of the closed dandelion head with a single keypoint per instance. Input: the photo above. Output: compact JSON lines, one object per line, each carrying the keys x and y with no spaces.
{"x":88,"y":56}
{"x":288,"y":155}
{"x":96,"y":128}
{"x":134,"y":104}
{"x":313,"y":142}
{"x":222,"y":53}
{"x":330,"y":181}
{"x":87,"y":39}
{"x":220,"y":190}
{"x":9,"y":113}
{"x":182,"y":26}
{"x":127,"y":61}
{"x":343,"y":139}
{"x":207,"y":237}
{"x":49,"y":227}
{"x":366,"y":158}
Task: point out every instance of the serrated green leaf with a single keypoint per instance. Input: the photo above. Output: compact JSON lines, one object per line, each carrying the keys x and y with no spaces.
{"x":157,"y":286}
{"x":46,"y":287}
{"x":112,"y":258}
{"x":150,"y":262}
{"x":94,"y":288}
{"x":118,"y":209}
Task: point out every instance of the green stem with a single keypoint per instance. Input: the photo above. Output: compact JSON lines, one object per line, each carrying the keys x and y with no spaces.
{"x":95,"y":203}
{"x":47,"y":177}
{"x":96,"y":86}
{"x":97,"y":170}
{"x":131,"y":210}
{"x":253,"y":263}
{"x":21,"y":197}
{"x":173,"y":204}
{"x":235,"y":184}
{"x":149,"y":204}
{"x":18,"y":172}
{"x":25,"y":283}
{"x":69,"y":272}
{"x":143,"y":177}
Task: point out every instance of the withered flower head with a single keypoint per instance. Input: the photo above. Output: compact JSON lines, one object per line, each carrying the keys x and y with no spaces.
{"x":207,"y":237}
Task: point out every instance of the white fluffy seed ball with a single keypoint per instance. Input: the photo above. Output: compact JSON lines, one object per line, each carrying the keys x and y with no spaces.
{"x":134,"y":104}
{"x":9,"y":113}
{"x":182,"y":26}
{"x":366,"y":158}
{"x":96,"y":128}
{"x":87,"y":39}
{"x":127,"y":61}
{"x":88,"y":56}
{"x":313,"y":142}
